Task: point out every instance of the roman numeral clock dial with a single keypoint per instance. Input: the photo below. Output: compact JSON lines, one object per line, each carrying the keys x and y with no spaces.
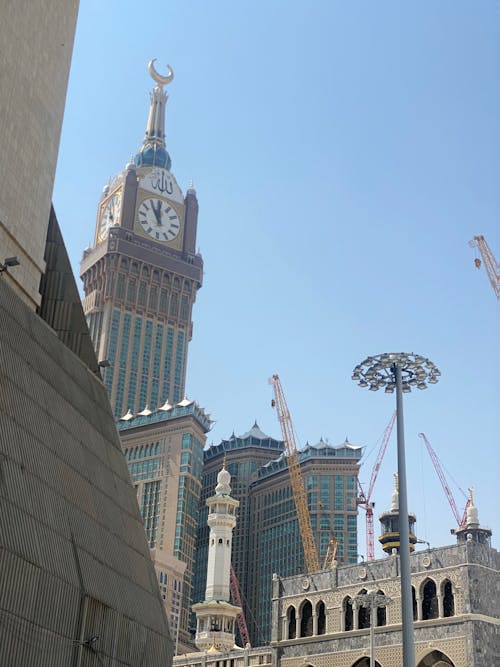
{"x":159,"y":219}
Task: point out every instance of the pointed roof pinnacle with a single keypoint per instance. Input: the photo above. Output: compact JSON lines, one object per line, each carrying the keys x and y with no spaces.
{"x":395,"y":494}
{"x":223,"y":487}
{"x":153,"y":151}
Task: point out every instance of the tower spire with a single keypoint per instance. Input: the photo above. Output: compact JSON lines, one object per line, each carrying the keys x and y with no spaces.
{"x":153,"y":151}
{"x":390,"y":538}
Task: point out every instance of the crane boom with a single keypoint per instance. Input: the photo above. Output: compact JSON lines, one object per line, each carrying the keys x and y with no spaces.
{"x":299,"y":492}
{"x":490,"y":263}
{"x":437,"y":465}
{"x":234,"y":587}
{"x":365,"y":499}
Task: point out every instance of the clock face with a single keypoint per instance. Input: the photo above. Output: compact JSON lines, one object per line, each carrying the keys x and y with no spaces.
{"x":159,"y":219}
{"x":110,"y":214}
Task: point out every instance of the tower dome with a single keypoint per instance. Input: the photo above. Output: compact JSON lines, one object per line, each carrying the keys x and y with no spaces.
{"x":152,"y":154}
{"x":223,"y":482}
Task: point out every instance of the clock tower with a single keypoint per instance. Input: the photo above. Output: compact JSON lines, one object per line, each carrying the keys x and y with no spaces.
{"x":141,"y":276}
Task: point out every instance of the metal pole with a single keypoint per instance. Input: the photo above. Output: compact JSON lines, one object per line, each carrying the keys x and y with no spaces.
{"x":404,"y":532}
{"x":372,"y":636}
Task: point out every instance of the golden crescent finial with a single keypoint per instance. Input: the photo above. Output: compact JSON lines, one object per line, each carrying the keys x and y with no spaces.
{"x":162,"y":80}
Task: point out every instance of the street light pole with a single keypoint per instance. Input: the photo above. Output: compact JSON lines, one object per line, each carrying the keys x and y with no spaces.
{"x":372,"y":600}
{"x":404,"y":531}
{"x":400,"y":372}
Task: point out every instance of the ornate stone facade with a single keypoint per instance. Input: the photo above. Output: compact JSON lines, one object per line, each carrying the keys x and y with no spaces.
{"x":455,"y":604}
{"x":456,"y":610}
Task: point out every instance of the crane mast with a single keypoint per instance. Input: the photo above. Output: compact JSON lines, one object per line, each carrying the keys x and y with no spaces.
{"x":365,"y":499}
{"x":490,"y":263}
{"x":234,"y":587}
{"x":331,"y":553}
{"x":461,"y":520}
{"x":299,"y":493}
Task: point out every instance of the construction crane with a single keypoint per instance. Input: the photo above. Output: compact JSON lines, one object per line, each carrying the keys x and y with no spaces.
{"x":299,"y":492}
{"x":331,"y":553}
{"x":490,"y":263}
{"x":365,"y":499}
{"x":234,"y":588}
{"x":460,"y":519}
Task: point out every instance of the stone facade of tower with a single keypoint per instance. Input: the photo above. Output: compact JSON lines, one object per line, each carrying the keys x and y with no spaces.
{"x":216,"y":616}
{"x":142,"y":273}
{"x":140,"y":281}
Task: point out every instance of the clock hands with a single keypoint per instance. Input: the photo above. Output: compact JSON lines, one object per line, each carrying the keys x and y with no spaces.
{"x":157,"y":211}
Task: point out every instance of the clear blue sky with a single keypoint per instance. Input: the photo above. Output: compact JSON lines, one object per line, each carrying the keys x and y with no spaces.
{"x":344,"y":153}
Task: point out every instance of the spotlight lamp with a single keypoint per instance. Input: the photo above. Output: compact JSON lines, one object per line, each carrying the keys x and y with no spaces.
{"x":379,"y":372}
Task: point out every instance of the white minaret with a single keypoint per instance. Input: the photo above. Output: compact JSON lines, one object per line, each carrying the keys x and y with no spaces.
{"x":215,"y":616}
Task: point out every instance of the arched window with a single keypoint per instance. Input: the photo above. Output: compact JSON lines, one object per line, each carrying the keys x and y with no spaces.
{"x":306,"y":621}
{"x":381,"y":613}
{"x":363,"y":613}
{"x":320,"y":613}
{"x":435,"y":659}
{"x":448,"y":598}
{"x":291,"y":622}
{"x":429,"y":600}
{"x":347,"y":611}
{"x":414,"y":602}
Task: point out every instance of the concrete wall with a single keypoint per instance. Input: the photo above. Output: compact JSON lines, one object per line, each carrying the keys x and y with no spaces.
{"x":74,"y":563}
{"x":36,"y":43}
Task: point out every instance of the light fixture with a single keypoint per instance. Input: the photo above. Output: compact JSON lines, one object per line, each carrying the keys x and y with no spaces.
{"x":399,"y":372}
{"x":9,"y":262}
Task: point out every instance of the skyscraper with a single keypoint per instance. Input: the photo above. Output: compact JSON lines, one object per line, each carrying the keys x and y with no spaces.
{"x":164,"y":452}
{"x":330,"y":476}
{"x":244,"y":455}
{"x":267,"y":537}
{"x":141,"y":276}
{"x":140,"y":282}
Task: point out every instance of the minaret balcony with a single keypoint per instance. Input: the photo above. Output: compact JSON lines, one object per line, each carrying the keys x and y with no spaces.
{"x":221,"y":640}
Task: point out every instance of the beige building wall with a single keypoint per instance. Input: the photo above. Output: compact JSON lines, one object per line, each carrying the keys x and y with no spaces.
{"x":164,"y":453}
{"x":170,"y":572}
{"x":33,"y":82}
